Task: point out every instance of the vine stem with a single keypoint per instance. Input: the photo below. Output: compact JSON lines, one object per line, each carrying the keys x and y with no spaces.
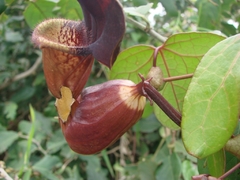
{"x":39,"y":147}
{"x":3,"y":173}
{"x":147,"y":29}
{"x":175,"y":78}
{"x":155,"y":56}
{"x":230,"y":171}
{"x":22,"y":75}
{"x":152,"y":94}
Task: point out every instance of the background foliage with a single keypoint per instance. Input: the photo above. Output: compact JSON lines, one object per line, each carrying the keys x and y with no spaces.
{"x":31,"y":142}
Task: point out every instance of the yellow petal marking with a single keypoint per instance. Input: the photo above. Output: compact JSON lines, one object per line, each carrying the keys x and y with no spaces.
{"x":132,"y":98}
{"x":64,"y":103}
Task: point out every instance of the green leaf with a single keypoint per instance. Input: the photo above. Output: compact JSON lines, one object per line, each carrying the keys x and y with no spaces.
{"x":2,"y":128}
{"x":7,"y":138}
{"x":228,"y":29}
{"x":43,"y":125}
{"x":180,"y":149}
{"x":30,"y":139}
{"x":170,"y":7}
{"x":226,"y":5}
{"x":70,"y":9}
{"x":24,"y":126}
{"x":27,"y":174}
{"x":107,"y":161}
{"x":209,"y":14}
{"x":140,"y":11}
{"x":13,"y":37}
{"x":231,"y":161}
{"x":188,"y":169}
{"x":2,"y":6}
{"x":10,"y":110}
{"x":45,"y":166}
{"x":146,"y":169}
{"x":139,"y":2}
{"x":23,"y":94}
{"x":170,"y":168}
{"x":47,"y":162}
{"x":147,"y":125}
{"x":56,"y":142}
{"x":93,"y":169}
{"x":37,"y":11}
{"x":211,"y":105}
{"x":179,"y":55}
{"x":237,"y":130}
{"x":202,"y":166}
{"x":130,"y":62}
{"x":148,"y":110}
{"x":75,"y":174}
{"x":214,"y":164}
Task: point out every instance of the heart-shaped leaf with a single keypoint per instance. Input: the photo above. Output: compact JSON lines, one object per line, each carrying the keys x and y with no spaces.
{"x":211,"y":105}
{"x":179,"y":55}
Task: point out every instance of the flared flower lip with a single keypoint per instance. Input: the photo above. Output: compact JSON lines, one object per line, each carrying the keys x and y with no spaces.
{"x":42,"y":42}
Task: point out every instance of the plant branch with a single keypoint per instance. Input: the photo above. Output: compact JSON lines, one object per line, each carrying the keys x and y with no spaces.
{"x":175,"y":78}
{"x":166,"y":107}
{"x":39,"y":147}
{"x":147,"y":29}
{"x":3,"y":173}
{"x":22,"y":75}
{"x":230,"y":171}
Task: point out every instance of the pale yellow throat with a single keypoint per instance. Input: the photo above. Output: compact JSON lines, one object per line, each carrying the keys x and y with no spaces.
{"x":64,"y":103}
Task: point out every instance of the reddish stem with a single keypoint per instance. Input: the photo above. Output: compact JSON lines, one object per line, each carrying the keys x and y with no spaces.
{"x":175,"y":78}
{"x":166,"y":107}
{"x":155,"y":56}
{"x":230,"y":171}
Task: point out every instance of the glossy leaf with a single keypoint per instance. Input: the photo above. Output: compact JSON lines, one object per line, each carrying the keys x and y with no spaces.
{"x":179,"y":55}
{"x":211,"y":105}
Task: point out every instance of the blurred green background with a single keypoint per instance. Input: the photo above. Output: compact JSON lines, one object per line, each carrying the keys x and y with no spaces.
{"x":31,"y":142}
